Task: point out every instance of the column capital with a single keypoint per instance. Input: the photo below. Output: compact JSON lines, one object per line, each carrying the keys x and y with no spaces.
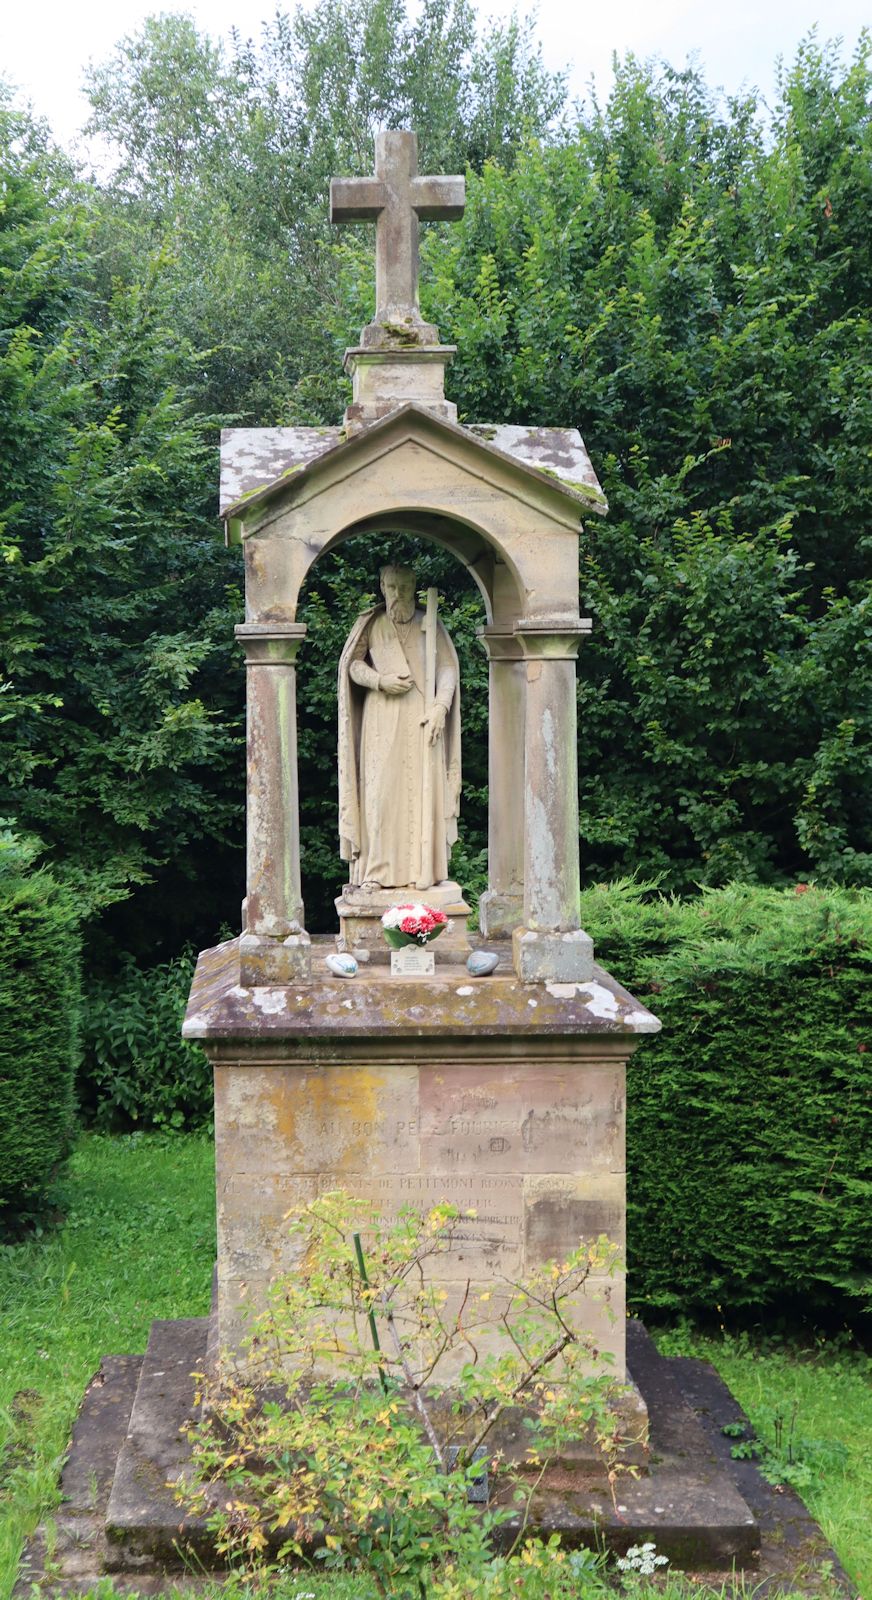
{"x":555,"y":641}
{"x":499,"y":643}
{"x":270,"y":644}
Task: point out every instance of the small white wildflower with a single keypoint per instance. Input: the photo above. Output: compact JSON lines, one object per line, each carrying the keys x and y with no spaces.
{"x":642,"y":1558}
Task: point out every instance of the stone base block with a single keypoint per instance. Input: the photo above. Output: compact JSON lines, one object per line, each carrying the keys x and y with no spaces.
{"x":499,"y":914}
{"x":703,"y":1510}
{"x":552,"y":957}
{"x":360,"y":912}
{"x":269,"y":961}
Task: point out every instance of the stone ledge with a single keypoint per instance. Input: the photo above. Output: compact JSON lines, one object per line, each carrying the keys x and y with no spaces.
{"x":377,"y":1007}
{"x":68,"y":1551}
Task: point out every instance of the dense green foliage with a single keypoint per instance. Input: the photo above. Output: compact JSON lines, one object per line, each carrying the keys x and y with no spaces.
{"x":137,"y":1070}
{"x":686,"y":280}
{"x":121,"y":747}
{"x":692,"y":287}
{"x":749,"y":1171}
{"x":39,"y":1018}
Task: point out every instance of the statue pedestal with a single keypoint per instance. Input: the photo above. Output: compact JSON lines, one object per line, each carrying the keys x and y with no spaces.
{"x":360,"y":912}
{"x":502,"y":1097}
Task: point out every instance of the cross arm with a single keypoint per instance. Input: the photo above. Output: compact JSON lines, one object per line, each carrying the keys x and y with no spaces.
{"x":440,"y":198}
{"x":356,"y":199}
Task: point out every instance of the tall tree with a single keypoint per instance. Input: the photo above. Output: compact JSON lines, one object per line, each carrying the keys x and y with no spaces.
{"x":230,"y":152}
{"x":687,"y":280}
{"x":120,"y":735}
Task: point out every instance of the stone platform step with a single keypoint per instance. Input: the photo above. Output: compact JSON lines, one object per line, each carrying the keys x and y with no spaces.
{"x":687,"y":1502}
{"x":68,"y":1551}
{"x":705,"y":1511}
{"x":144,"y":1524}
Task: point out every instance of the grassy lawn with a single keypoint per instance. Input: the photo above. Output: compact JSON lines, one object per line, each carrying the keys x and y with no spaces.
{"x":826,"y":1394}
{"x":138,"y":1243}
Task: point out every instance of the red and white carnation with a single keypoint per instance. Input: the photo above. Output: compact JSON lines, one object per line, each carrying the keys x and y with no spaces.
{"x":416,"y":922}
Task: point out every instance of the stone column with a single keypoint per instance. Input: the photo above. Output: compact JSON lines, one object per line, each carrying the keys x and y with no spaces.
{"x":501,"y":907}
{"x":551,"y":945}
{"x":275,"y":946}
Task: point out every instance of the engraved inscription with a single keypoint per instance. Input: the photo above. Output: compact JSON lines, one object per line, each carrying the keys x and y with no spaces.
{"x":514,"y":1119}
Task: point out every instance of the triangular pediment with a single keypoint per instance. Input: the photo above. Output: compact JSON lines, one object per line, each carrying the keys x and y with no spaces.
{"x":267,"y":471}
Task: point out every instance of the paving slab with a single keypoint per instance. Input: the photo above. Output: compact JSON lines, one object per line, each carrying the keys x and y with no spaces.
{"x":144,"y":1523}
{"x":68,"y":1550}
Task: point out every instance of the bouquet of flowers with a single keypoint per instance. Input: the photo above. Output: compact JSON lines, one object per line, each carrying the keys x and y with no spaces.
{"x":412,"y":924}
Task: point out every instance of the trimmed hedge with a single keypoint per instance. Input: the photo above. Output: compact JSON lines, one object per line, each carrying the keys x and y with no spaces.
{"x":40,"y":993}
{"x":137,"y":1070}
{"x":749,"y":1177}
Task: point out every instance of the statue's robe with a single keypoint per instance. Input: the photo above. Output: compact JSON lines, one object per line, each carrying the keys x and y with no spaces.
{"x":383,"y":747}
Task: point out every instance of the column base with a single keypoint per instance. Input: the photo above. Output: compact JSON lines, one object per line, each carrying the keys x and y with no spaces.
{"x":265,"y":961}
{"x":552,"y":957}
{"x":500,"y":913}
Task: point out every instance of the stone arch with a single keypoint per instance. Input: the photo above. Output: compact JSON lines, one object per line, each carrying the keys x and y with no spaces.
{"x":478,"y":551}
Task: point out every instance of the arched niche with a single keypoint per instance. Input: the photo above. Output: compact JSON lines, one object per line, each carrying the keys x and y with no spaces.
{"x":469,"y":572}
{"x":496,"y":579}
{"x":414,"y":471}
{"x":516,"y":532}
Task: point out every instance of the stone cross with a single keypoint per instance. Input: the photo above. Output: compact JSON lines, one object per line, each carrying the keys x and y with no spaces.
{"x":396,"y":199}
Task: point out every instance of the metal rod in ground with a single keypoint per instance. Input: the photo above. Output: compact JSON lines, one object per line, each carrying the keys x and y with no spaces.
{"x":361,"y":1267}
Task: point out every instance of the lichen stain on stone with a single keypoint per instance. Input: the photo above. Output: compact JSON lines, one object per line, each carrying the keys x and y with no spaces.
{"x":540,"y":845}
{"x":270,"y":1001}
{"x":602,"y":1002}
{"x":328,"y":1117}
{"x":246,"y":1104}
{"x":552,"y":445}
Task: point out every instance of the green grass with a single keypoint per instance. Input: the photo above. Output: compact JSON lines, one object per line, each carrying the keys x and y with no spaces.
{"x":825,"y":1393}
{"x":138,"y":1243}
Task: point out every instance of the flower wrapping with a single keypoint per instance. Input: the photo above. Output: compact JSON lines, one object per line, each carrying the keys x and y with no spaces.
{"x":412,"y":924}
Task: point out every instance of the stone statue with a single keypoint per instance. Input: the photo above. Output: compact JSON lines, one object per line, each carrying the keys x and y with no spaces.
{"x":399,"y":742}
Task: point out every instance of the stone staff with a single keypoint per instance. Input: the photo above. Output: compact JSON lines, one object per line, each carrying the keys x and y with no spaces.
{"x":425,"y":878}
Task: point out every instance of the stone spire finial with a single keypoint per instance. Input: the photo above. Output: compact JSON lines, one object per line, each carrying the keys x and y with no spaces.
{"x":399,"y":358}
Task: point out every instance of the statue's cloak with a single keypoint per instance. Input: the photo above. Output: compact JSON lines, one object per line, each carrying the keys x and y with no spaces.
{"x":391,"y":659}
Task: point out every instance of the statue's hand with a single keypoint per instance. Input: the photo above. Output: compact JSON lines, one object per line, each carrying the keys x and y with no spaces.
{"x":435,"y":722}
{"x":391,"y":683}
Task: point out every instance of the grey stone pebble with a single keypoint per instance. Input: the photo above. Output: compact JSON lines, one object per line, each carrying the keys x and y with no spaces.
{"x":481,"y":963}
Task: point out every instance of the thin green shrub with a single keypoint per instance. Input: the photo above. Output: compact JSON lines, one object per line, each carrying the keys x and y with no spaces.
{"x":39,"y":1017}
{"x":749,"y":1175}
{"x":137,"y":1069}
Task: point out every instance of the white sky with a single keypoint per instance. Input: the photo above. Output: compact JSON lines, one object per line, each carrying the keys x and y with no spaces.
{"x":45,"y":44}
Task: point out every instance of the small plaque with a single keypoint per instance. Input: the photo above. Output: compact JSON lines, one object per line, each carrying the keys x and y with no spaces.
{"x":413,"y":961}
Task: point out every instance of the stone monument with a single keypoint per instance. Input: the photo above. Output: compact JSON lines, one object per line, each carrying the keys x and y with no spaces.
{"x":504,"y":1094}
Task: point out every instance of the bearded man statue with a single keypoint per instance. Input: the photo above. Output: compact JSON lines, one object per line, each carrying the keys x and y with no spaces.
{"x":399,"y":743}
